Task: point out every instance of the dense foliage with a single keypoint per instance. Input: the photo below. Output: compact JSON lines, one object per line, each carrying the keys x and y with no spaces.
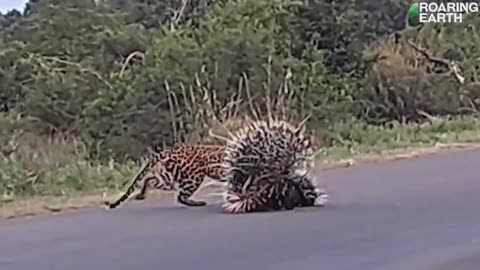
{"x":126,"y":74}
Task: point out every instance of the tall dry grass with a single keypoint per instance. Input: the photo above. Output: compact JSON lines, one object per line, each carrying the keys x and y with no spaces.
{"x":40,"y":165}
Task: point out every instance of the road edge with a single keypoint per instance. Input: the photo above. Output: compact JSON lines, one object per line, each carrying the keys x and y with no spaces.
{"x":55,"y":205}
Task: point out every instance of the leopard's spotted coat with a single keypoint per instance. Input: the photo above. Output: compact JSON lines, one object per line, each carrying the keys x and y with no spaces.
{"x":182,"y":169}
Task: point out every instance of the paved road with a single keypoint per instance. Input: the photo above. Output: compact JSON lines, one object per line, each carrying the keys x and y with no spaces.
{"x":420,"y":213}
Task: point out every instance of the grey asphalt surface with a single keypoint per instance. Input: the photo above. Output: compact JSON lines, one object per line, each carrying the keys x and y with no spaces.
{"x":420,"y":213}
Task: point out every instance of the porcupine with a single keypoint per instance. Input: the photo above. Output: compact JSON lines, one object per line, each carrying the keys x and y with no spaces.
{"x":266,"y":167}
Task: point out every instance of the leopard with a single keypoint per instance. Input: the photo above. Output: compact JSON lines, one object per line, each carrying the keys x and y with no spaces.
{"x":181,"y":169}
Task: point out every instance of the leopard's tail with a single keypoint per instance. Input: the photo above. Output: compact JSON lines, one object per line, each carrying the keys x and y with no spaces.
{"x":131,"y":188}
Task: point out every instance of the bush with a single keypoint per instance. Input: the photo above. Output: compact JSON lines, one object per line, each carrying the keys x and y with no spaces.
{"x":402,"y":84}
{"x":193,"y":77}
{"x":124,"y":75}
{"x":31,"y":164}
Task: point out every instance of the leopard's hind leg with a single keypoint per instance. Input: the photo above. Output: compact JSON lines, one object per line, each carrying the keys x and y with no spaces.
{"x":147,"y":183}
{"x":154,"y":181}
{"x":186,"y":188}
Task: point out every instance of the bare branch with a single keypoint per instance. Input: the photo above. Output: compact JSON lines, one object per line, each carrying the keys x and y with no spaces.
{"x":129,"y":58}
{"x":453,"y":66}
{"x":172,"y":109}
{"x":249,"y":96}
{"x":268,"y":87}
{"x":177,"y":15}
{"x":180,"y":13}
{"x":82,"y":69}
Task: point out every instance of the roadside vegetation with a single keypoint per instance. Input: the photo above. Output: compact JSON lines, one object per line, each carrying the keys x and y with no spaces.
{"x":86,"y":87}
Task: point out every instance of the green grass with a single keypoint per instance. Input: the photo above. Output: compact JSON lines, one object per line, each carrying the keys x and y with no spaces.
{"x":45,"y":174}
{"x":358,"y":139}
